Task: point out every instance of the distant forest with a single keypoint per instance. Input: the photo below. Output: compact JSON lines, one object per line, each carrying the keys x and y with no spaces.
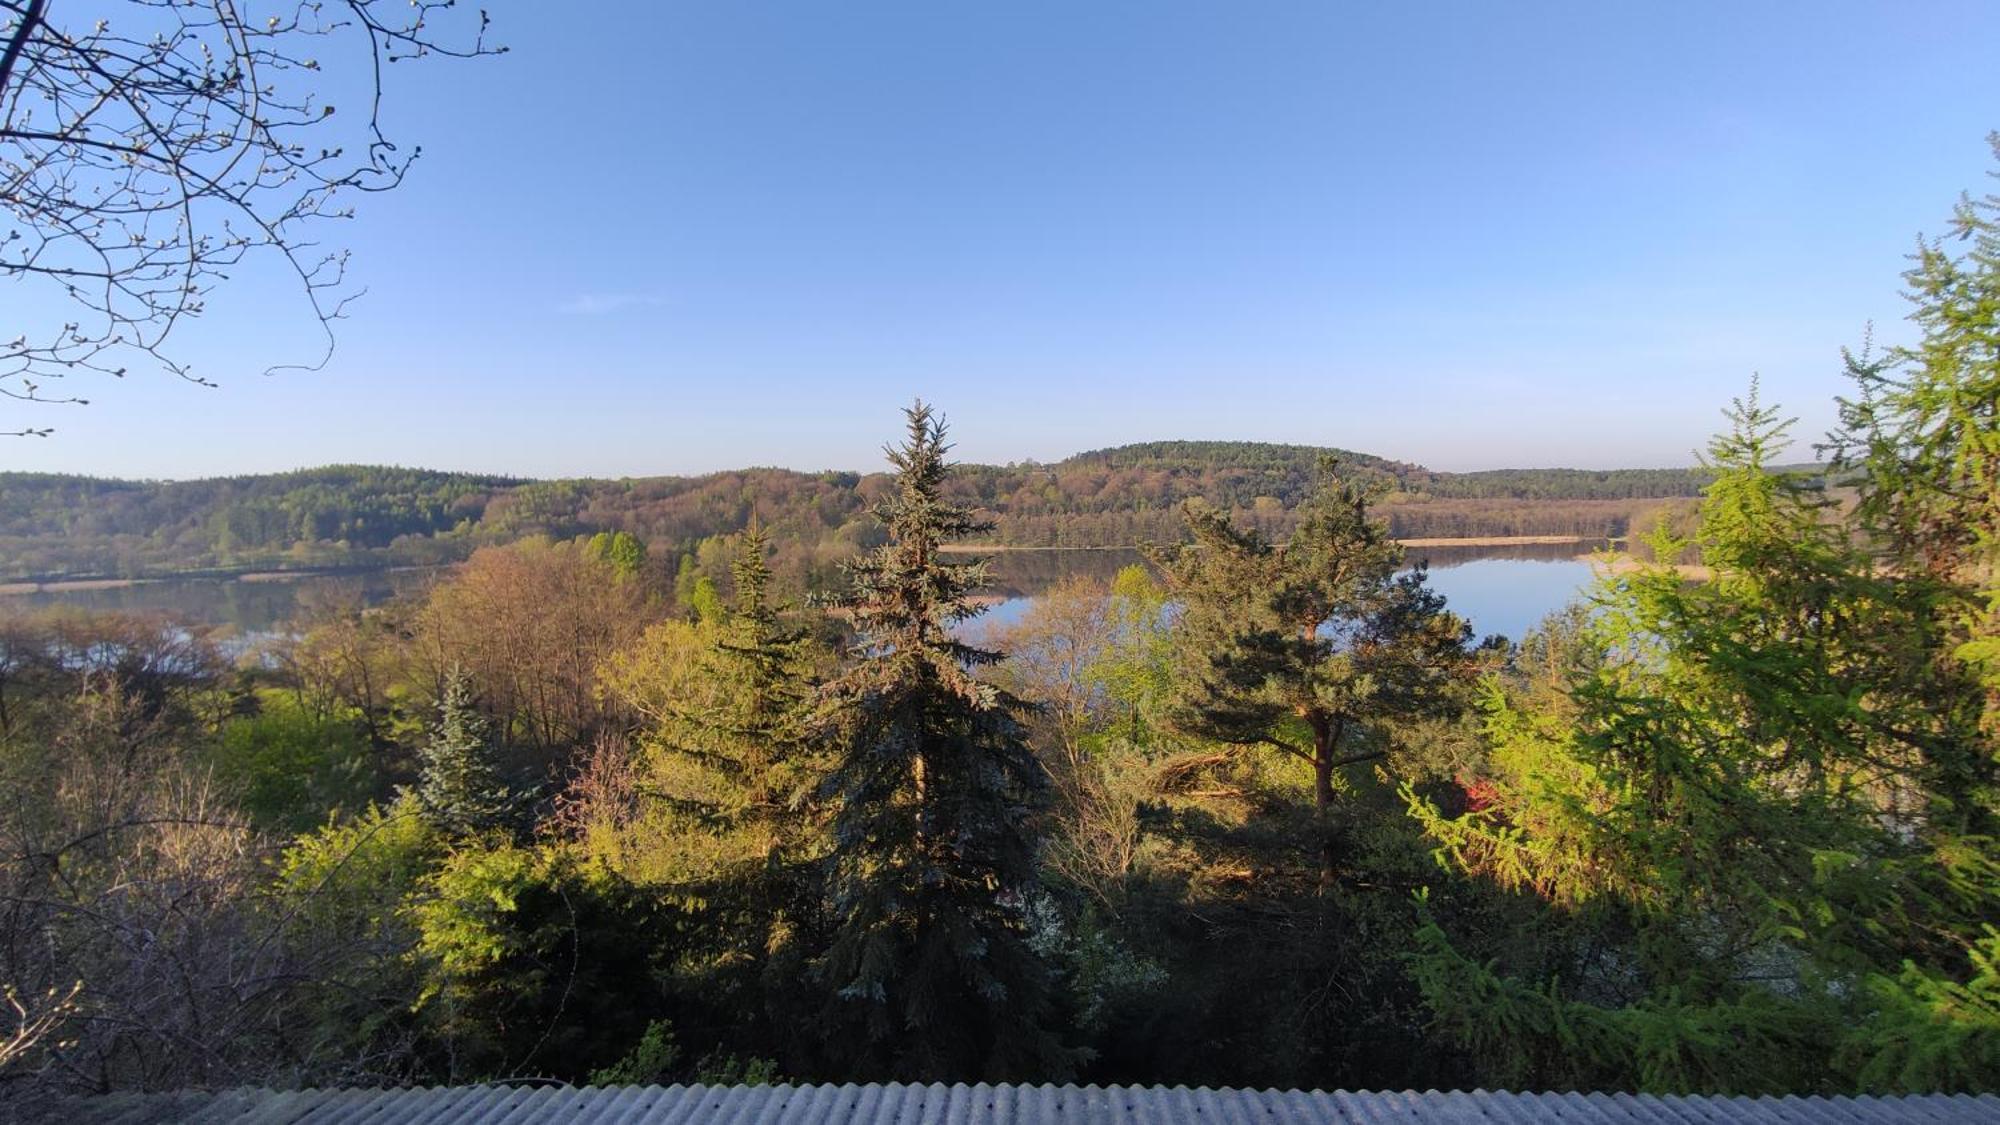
{"x":54,"y":526}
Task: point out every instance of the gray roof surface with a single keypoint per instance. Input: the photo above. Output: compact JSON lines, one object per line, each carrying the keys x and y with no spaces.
{"x":983,"y":1105}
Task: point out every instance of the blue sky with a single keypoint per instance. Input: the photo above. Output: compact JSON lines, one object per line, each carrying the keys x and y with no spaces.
{"x":674,"y":237}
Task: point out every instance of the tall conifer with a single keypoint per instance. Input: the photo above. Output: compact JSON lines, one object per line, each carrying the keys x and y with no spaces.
{"x":930,"y":972}
{"x":1765,"y":792}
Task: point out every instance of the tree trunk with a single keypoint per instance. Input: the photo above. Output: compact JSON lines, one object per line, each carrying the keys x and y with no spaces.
{"x":1326,"y":742}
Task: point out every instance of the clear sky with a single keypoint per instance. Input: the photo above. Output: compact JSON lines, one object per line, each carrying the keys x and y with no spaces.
{"x":666,"y":237}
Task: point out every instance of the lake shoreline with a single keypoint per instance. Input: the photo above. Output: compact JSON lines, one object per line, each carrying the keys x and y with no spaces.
{"x":1503,"y":584}
{"x":1467,"y":541}
{"x":74,"y":584}
{"x":84,"y":584}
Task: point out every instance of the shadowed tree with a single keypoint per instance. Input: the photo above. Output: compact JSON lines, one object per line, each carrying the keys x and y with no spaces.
{"x":930,"y":970}
{"x":1317,"y":648}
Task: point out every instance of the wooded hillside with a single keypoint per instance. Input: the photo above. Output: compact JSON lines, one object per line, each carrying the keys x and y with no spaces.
{"x":53,"y":525}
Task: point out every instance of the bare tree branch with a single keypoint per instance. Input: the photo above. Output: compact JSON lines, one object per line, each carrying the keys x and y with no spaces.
{"x":145,"y":156}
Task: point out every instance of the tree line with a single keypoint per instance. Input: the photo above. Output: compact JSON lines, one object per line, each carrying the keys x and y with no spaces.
{"x":54,"y":525}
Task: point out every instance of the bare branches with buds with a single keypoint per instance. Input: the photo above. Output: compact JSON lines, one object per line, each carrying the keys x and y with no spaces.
{"x":146,"y":155}
{"x":33,"y":1020}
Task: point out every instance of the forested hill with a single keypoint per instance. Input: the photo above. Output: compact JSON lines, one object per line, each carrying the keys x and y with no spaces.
{"x":1290,"y":467}
{"x":53,"y":525}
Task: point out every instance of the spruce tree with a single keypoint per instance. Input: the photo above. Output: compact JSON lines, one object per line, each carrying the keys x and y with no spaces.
{"x":930,"y":973}
{"x":728,"y":752}
{"x":458,"y":787}
{"x":722,"y":813}
{"x":768,"y":666}
{"x":1921,"y":440}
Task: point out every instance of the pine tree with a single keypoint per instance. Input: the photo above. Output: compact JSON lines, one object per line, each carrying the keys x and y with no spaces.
{"x":1318,"y":649}
{"x":717,"y":807}
{"x":1921,"y":438}
{"x":930,"y":972}
{"x":458,"y":787}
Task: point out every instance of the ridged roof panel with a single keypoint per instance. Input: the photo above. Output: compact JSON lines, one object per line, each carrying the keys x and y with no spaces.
{"x":897,"y":1104}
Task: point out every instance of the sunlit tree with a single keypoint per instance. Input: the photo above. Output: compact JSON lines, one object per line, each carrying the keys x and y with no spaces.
{"x":1753,"y":792}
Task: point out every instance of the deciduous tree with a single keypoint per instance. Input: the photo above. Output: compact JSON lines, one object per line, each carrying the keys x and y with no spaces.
{"x":149,"y":148}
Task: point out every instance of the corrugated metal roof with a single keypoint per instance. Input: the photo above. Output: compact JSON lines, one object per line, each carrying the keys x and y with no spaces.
{"x":986,"y":1105}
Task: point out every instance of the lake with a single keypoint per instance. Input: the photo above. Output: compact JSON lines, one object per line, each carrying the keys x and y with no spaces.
{"x":249,"y":606}
{"x":1506,"y":589}
{"x":1500,"y":589}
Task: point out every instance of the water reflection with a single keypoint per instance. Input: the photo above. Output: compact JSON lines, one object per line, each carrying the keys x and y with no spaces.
{"x":249,"y":606}
{"x":1501,"y":589}
{"x":1506,"y":589}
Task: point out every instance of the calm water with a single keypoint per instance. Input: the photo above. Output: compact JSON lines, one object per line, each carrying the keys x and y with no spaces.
{"x":1506,"y":590}
{"x":1500,"y":589}
{"x":247,"y":607}
{"x":1510,"y":596}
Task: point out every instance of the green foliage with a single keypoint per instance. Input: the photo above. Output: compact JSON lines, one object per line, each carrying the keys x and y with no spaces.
{"x":1098,"y":972}
{"x":535,"y":963}
{"x":1535,"y":1037}
{"x":1319,"y":649}
{"x":624,"y":551}
{"x":1923,"y":434}
{"x":354,"y":875}
{"x":1733,"y":705}
{"x":651,"y":1062}
{"x":294,"y":768}
{"x":655,"y":1060}
{"x":930,"y":970}
{"x":1291,"y":472}
{"x":1137,"y":669}
{"x":718,"y":1069}
{"x":1729,"y":835}
{"x":704,"y":600}
{"x":340,"y":895}
{"x":247,"y":520}
{"x":716,"y":799}
{"x":55,"y":525}
{"x":725,"y":700}
{"x":1773,"y":783}
{"x":458,"y":786}
{"x":1931,"y":1031}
